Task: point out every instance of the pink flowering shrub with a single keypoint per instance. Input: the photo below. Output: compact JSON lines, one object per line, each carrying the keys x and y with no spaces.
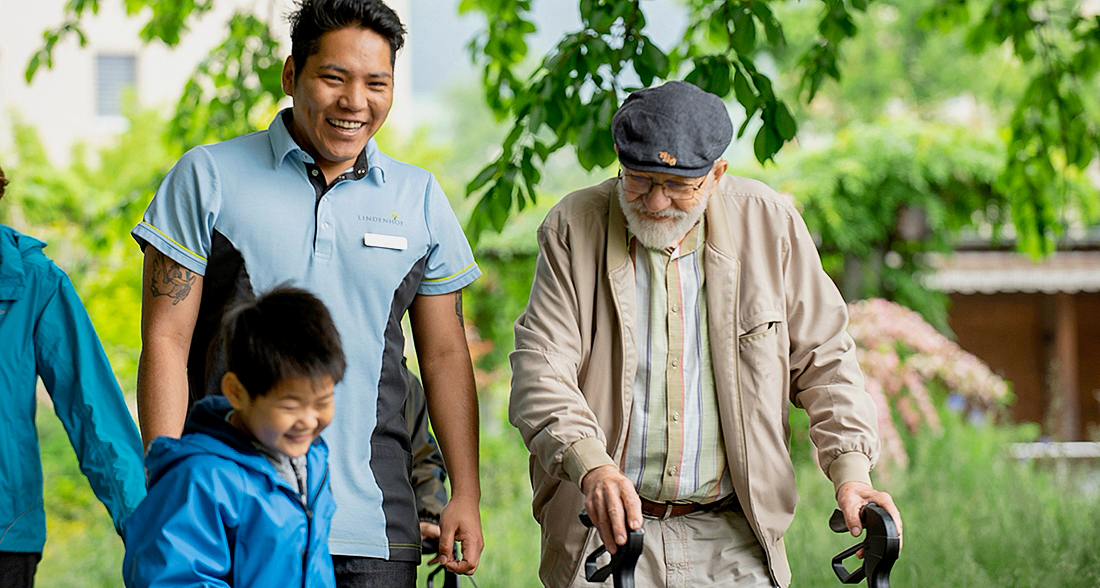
{"x":902,"y":357}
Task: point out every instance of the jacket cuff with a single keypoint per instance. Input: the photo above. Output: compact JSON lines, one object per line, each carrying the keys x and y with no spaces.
{"x":584,"y":456}
{"x":850,"y":467}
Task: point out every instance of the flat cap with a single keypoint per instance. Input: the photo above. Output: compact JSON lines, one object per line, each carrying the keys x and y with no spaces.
{"x":674,"y":128}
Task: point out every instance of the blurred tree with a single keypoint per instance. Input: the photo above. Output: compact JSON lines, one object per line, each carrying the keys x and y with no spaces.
{"x":570,"y":97}
{"x":880,"y":196}
{"x":85,"y":212}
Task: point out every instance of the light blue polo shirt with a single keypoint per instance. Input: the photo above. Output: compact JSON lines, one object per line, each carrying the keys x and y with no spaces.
{"x":244,"y":214}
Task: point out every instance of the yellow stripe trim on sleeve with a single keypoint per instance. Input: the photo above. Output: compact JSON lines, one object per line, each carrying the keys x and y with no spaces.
{"x":451,"y":277}
{"x":177,"y":243}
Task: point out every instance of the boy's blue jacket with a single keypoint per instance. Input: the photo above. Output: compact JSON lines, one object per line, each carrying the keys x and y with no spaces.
{"x":45,"y":332}
{"x":218,"y":514}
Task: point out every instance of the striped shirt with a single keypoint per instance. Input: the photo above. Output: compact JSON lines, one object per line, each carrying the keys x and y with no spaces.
{"x":674,"y":449}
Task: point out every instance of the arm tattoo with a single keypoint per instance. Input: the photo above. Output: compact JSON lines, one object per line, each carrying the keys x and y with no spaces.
{"x":170,"y":279}
{"x":458,"y":308}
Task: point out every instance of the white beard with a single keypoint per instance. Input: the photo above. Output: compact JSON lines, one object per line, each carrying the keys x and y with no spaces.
{"x":660,"y":234}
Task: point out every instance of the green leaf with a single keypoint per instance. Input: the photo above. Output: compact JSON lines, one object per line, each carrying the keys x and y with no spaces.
{"x":743,"y":40}
{"x":773,"y":30}
{"x":784,"y":122}
{"x":743,"y":91}
{"x":488,"y":173}
{"x":767,"y":144}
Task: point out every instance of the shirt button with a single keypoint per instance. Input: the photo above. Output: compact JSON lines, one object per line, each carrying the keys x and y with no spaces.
{"x":675,"y":308}
{"x":324,"y":225}
{"x":672,"y":471}
{"x":675,"y":363}
{"x":675,"y":417}
{"x":314,"y":172}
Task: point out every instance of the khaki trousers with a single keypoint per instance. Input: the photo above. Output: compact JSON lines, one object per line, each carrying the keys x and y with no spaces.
{"x":698,"y":550}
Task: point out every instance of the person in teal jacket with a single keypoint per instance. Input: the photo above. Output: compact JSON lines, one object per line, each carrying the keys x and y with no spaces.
{"x":45,"y":333}
{"x":242,"y":499}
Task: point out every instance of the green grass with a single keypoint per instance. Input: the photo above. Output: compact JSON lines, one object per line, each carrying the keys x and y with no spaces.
{"x":972,"y":519}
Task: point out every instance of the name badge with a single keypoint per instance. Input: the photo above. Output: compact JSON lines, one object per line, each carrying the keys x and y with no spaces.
{"x":386,"y":241}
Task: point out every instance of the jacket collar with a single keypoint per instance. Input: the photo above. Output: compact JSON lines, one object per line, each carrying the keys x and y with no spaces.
{"x":618,"y":239}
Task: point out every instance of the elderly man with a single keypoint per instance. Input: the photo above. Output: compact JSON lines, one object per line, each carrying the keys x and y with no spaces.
{"x":676,"y":314}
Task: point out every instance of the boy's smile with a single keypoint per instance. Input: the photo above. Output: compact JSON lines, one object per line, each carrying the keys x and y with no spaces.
{"x":289,"y":417}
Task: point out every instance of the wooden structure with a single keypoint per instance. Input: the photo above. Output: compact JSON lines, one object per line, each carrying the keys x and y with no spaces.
{"x":1037,"y":324}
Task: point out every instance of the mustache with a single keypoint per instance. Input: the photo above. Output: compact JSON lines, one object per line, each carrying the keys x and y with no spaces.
{"x":639,"y":207}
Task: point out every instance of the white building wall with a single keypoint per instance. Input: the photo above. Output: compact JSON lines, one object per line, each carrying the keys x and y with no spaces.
{"x":61,"y":102}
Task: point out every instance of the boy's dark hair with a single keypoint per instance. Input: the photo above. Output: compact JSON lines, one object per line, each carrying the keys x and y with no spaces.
{"x":3,"y":182}
{"x":286,"y":333}
{"x":314,"y":18}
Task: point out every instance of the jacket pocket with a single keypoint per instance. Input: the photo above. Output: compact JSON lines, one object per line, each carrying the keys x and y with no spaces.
{"x":763,"y":363}
{"x":758,"y":332}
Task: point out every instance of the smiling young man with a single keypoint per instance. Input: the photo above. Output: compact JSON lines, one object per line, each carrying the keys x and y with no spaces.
{"x":677,"y":313}
{"x":313,"y":201}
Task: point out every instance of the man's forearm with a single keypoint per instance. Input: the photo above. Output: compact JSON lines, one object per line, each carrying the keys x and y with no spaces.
{"x":161,"y":394}
{"x":454,"y":417}
{"x":448,"y":375}
{"x":169,"y":309}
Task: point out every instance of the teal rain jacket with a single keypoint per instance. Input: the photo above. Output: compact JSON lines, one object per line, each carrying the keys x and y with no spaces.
{"x":45,"y":332}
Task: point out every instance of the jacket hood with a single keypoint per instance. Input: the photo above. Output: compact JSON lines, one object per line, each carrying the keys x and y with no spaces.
{"x":208,"y":419}
{"x":14,"y":247}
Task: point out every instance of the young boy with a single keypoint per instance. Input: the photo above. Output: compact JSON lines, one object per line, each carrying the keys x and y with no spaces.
{"x":242,"y":499}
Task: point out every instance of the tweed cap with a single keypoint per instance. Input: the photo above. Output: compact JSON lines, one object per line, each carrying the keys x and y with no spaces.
{"x":675,"y":128}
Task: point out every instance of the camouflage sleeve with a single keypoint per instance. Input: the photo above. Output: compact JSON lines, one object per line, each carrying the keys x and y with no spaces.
{"x":428,"y":471}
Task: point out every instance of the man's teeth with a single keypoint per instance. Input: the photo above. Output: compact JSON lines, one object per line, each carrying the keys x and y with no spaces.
{"x":344,"y":124}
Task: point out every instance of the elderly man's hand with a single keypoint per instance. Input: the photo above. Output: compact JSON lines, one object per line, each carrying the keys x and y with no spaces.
{"x":611,"y":501}
{"x":853,"y":496}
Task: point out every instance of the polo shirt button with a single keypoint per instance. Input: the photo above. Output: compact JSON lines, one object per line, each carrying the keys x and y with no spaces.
{"x":314,"y":172}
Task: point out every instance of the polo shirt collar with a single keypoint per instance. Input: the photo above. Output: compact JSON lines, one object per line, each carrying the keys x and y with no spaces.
{"x":283,"y":145}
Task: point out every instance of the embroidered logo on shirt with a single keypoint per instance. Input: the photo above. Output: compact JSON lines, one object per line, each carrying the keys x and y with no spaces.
{"x":393,"y":219}
{"x":666,"y":158}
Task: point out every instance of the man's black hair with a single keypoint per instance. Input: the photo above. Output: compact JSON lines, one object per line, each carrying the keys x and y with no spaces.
{"x":314,"y":18}
{"x":3,"y":182}
{"x":286,"y":333}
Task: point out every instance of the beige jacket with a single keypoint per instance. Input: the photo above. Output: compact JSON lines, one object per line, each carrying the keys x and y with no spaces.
{"x":777,"y":331}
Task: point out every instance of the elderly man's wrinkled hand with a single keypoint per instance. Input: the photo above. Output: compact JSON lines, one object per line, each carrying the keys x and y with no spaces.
{"x":612,"y":504}
{"x":853,"y":496}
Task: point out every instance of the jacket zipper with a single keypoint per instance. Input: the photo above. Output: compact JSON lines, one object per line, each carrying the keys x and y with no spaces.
{"x":309,"y":506}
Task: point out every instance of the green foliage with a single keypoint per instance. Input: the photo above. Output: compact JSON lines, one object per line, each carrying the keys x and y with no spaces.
{"x":1054,"y":131}
{"x":973,"y":517}
{"x":85,"y":213}
{"x":571,"y":97}
{"x":234,"y":91}
{"x":867,"y":192}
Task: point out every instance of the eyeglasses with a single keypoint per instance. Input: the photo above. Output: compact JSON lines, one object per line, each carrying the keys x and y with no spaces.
{"x":673,"y":190}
